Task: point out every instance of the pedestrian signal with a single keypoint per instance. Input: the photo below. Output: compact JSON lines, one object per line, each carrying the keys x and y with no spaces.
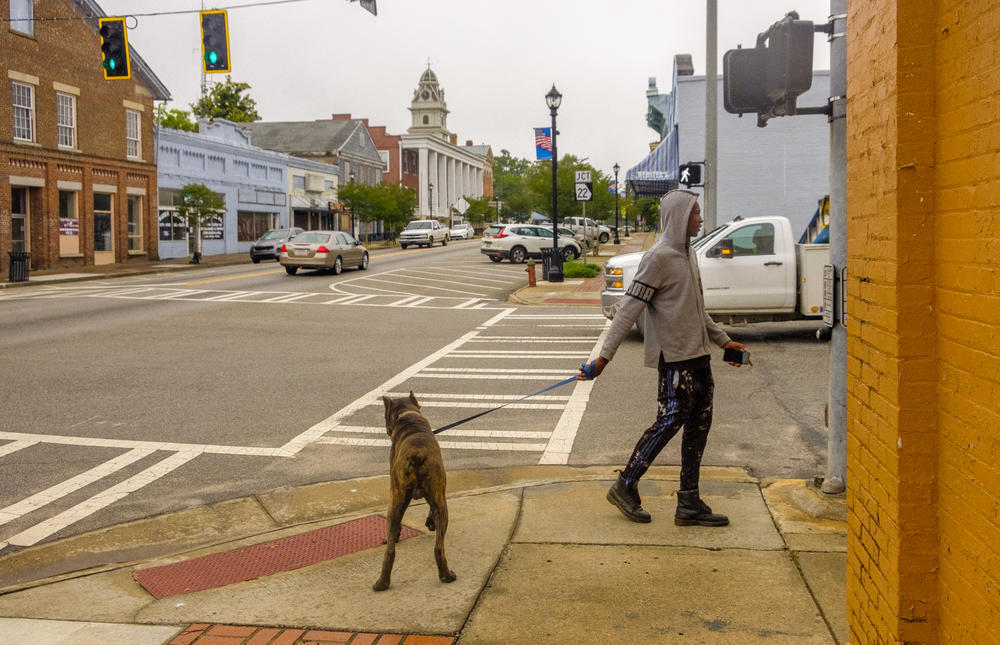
{"x":215,"y":41}
{"x":690,"y":174}
{"x":114,"y":46}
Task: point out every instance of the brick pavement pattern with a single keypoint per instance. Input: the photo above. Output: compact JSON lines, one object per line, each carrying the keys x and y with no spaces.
{"x":207,"y":634}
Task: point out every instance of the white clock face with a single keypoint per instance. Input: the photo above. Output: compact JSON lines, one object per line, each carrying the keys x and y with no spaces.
{"x":425,"y":95}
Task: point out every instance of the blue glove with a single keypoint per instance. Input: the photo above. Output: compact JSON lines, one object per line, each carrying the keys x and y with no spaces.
{"x":588,"y":370}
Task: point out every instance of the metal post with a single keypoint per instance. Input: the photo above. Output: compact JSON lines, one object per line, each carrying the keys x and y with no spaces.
{"x":553,"y":99}
{"x":836,"y":460}
{"x":711,"y":112}
{"x":616,"y":169}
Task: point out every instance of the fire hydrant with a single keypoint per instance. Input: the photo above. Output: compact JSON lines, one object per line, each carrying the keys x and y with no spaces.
{"x":531,"y":272}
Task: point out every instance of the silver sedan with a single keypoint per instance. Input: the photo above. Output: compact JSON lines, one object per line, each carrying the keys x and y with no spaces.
{"x":329,"y":250}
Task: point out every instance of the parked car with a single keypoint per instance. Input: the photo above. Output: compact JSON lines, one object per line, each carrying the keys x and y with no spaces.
{"x":594,"y":230}
{"x":269,"y":244}
{"x":424,"y":232}
{"x":463,"y":231}
{"x":518,"y":242}
{"x":331,"y":250}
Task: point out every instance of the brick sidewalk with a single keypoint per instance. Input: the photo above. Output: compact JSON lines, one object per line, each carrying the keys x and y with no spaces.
{"x":207,"y":634}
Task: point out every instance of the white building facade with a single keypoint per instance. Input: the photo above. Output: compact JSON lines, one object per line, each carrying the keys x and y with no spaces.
{"x":446,"y":171}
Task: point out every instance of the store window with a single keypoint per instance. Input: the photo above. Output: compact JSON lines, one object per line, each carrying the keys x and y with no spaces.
{"x":69,"y":224}
{"x":250,"y":226}
{"x":133,"y":137}
{"x":102,"y":222}
{"x":66,"y":119}
{"x":20,"y":240}
{"x":299,"y":182}
{"x":23,"y":101}
{"x":172,"y":226}
{"x":135,"y":223}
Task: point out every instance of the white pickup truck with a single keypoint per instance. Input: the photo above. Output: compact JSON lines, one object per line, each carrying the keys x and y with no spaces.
{"x":588,"y":228}
{"x":751,"y":271}
{"x":424,"y":232}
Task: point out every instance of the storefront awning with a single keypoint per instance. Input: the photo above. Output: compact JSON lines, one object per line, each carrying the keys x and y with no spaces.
{"x":656,"y":175}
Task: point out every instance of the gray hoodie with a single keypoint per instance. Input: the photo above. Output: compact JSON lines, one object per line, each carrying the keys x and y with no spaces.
{"x":667,"y":286}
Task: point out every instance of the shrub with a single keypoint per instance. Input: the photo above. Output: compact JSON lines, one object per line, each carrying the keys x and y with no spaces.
{"x":580,"y":270}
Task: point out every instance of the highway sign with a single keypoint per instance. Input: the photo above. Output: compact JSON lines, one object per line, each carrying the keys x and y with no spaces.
{"x":584,"y":191}
{"x":582,"y":176}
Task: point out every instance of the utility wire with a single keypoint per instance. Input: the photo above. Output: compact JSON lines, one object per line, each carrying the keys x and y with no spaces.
{"x":157,"y":13}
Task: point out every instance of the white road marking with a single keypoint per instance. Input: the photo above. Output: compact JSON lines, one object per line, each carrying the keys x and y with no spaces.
{"x":71,"y":485}
{"x":14,"y":446}
{"x":84,"y":509}
{"x":560,"y":444}
{"x":456,"y":445}
{"x":454,"y":432}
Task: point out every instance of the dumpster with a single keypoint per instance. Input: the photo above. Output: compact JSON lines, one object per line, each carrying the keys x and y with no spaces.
{"x":548,"y":253}
{"x":18,"y":266}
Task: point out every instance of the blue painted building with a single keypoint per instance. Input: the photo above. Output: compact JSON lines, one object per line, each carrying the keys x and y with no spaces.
{"x":254,"y":184}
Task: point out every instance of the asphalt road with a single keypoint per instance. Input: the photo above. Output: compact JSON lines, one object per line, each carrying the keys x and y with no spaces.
{"x":130,"y":397}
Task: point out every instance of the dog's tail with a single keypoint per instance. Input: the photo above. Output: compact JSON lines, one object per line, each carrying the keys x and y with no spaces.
{"x":416,"y":461}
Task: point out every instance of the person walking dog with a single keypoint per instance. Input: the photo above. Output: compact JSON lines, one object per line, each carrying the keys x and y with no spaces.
{"x":678,"y":342}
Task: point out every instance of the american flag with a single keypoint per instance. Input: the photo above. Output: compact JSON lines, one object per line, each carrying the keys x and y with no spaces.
{"x":543,"y":143}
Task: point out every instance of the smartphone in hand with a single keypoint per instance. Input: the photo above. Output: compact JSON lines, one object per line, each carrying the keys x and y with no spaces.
{"x":735,"y":356}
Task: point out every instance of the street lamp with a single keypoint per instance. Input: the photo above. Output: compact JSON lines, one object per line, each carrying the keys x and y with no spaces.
{"x":430,"y":198}
{"x":616,"y":168}
{"x":352,"y":211}
{"x":553,"y":99}
{"x":496,"y":201}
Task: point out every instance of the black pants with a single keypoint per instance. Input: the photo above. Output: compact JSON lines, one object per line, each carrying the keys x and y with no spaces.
{"x":685,"y":400}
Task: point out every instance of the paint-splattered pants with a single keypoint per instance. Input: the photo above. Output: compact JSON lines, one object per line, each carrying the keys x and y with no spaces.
{"x":685,"y":400}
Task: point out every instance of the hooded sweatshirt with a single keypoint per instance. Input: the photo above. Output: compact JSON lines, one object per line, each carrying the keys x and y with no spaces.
{"x":667,"y":286}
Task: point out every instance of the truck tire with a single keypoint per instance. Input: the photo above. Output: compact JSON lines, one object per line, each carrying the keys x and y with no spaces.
{"x":604,"y":237}
{"x":444,"y":242}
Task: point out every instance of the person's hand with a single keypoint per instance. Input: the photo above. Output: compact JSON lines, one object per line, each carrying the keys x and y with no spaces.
{"x":599,"y":364}
{"x":740,"y":346}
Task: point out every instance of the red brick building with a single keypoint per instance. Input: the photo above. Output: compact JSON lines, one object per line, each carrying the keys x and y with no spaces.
{"x":77,"y":162}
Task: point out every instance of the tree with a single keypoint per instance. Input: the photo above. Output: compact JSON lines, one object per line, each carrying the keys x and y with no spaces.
{"x":226,"y":100}
{"x":509,"y":175}
{"x":391,"y":204}
{"x":539,"y":183}
{"x":199,"y":205}
{"x":177,"y":119}
{"x":480,"y":211}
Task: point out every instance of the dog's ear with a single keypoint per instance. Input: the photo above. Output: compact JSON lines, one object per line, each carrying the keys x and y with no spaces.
{"x":414,"y":400}
{"x":386,"y":401}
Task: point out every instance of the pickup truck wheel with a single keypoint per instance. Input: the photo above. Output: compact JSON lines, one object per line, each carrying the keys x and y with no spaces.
{"x":403,"y":246}
{"x":444,"y":242}
{"x":338,"y":266}
{"x":517,"y":255}
{"x":291,"y":270}
{"x":603,"y":239}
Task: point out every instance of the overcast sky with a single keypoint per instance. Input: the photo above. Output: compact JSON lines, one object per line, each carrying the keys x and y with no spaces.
{"x":495,"y":60}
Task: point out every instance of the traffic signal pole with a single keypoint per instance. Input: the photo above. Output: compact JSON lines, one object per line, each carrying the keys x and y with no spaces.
{"x":835,"y":480}
{"x":711,"y":113}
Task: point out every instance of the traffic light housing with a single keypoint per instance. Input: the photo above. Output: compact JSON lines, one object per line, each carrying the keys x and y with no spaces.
{"x":114,"y":47}
{"x":215,"y":41}
{"x":769,"y":78}
{"x":690,"y":174}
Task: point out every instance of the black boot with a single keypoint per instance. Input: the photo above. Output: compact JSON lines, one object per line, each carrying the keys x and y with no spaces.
{"x":626,"y":498}
{"x":691,"y":510}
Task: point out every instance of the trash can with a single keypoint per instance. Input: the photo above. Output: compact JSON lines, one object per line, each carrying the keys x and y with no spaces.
{"x":18,"y":266}
{"x":547,"y":254}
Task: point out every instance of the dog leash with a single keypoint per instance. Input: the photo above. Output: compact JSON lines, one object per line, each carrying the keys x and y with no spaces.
{"x":588,"y":370}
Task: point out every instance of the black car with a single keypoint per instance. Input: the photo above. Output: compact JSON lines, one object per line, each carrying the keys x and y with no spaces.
{"x":269,"y":245}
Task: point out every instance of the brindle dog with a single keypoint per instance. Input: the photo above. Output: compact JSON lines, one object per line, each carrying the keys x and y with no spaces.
{"x":416,"y":470}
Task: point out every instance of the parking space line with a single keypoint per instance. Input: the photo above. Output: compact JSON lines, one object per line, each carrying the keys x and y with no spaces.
{"x":14,"y":446}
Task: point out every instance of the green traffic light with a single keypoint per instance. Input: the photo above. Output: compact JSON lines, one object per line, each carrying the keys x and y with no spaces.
{"x":212,"y":58}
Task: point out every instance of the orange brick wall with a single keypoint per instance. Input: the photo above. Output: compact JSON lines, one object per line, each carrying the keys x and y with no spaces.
{"x":923,"y":188}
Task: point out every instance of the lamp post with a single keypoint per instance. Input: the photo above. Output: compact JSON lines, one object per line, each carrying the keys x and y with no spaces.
{"x":616,"y":168}
{"x":553,"y":99}
{"x":352,"y":211}
{"x":496,"y":201}
{"x":626,"y":214}
{"x":430,"y":198}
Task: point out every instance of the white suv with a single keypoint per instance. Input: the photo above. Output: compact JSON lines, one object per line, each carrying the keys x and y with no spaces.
{"x":424,"y":232}
{"x":518,"y":242}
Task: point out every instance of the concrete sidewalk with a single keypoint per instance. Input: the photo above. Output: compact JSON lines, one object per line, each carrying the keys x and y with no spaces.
{"x":541,"y":557}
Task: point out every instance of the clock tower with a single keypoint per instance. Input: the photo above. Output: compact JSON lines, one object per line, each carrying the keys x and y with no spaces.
{"x":428,"y":108}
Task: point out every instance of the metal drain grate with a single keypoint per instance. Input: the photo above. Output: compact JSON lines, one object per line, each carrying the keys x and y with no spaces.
{"x":248,"y":563}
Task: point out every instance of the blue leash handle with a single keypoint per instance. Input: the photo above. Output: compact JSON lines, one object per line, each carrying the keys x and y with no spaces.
{"x":479,"y":414}
{"x":588,"y":370}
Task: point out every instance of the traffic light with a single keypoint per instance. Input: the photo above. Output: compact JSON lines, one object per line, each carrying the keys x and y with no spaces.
{"x":215,"y":41}
{"x":690,"y":174}
{"x":789,"y":62}
{"x":744,"y":80}
{"x":768,"y":78}
{"x":114,"y":46}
